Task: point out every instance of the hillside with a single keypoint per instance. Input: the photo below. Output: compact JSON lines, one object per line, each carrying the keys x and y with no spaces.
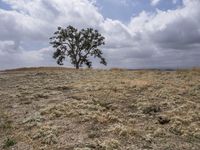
{"x":67,"y":109}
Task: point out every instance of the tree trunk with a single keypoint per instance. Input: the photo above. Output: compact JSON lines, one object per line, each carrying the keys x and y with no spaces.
{"x":77,"y":66}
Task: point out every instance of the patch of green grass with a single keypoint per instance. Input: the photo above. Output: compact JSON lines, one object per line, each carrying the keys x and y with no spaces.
{"x":9,"y":142}
{"x":5,"y":123}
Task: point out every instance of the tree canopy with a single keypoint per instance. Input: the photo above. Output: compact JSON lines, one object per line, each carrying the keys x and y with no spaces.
{"x":79,"y":46}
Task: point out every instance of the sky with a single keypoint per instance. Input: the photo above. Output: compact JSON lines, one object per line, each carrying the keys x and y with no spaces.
{"x":139,"y":33}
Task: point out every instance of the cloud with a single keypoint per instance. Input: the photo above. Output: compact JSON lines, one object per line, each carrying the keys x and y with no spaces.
{"x":151,"y":39}
{"x":12,"y":58}
{"x":179,"y":29}
{"x":154,"y":2}
{"x":172,"y":33}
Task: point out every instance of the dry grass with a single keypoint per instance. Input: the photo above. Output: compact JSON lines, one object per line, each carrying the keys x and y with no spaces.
{"x":66,"y":109}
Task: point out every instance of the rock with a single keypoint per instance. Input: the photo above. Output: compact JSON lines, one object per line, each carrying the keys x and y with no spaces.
{"x":163,"y":120}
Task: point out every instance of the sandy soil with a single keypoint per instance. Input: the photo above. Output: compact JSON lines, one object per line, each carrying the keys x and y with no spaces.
{"x":66,"y":109}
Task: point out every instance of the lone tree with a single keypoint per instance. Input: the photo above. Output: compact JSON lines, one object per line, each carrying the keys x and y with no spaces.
{"x":79,"y":46}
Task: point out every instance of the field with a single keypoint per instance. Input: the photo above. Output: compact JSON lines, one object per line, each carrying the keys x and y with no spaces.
{"x":67,"y":109}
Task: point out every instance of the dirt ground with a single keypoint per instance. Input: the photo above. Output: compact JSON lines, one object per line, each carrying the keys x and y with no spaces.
{"x":67,"y":109}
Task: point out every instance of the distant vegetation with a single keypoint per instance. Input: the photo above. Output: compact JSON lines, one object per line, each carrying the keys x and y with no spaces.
{"x":79,"y":46}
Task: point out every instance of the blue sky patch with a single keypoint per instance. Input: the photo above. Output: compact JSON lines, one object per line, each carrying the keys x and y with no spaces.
{"x":123,"y":10}
{"x":5,"y":6}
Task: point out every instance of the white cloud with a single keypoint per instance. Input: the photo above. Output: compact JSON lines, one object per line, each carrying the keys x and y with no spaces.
{"x":174,"y":34}
{"x":160,"y":39}
{"x":154,"y":2}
